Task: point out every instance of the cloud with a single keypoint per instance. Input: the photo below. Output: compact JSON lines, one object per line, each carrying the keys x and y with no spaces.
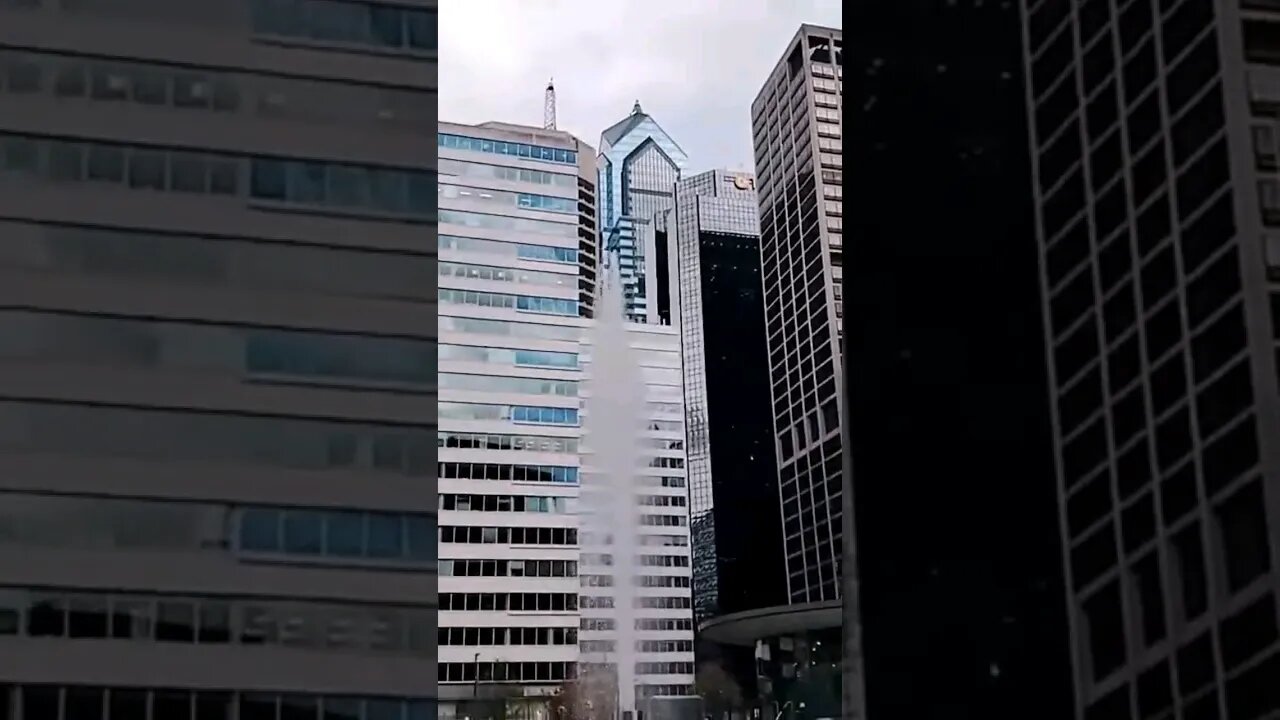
{"x":694,"y":65}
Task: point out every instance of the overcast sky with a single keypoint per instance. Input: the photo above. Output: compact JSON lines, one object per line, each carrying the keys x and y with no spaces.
{"x":694,"y":65}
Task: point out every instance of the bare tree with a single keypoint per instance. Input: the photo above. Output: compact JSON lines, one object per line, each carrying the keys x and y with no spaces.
{"x":720,"y":692}
{"x":593,"y":696}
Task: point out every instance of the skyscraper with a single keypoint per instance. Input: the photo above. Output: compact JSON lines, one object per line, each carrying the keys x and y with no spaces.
{"x":524,"y":596}
{"x":796,"y":125}
{"x":509,"y":378}
{"x":218,"y":359}
{"x":959,"y":560}
{"x":733,"y":492}
{"x":1153,"y":136}
{"x":795,"y":121}
{"x":638,"y":165}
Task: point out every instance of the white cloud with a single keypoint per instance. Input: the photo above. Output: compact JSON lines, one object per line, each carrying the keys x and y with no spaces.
{"x":695,"y":65}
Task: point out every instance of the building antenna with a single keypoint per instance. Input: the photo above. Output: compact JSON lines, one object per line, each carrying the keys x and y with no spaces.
{"x":549,"y":106}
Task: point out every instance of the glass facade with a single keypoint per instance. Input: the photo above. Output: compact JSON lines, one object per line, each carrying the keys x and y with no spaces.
{"x":638,"y":169}
{"x":733,"y":494}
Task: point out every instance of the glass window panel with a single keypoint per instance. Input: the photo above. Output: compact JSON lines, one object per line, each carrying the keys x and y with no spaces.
{"x":106,"y":163}
{"x":212,"y":706}
{"x":188,"y":173}
{"x":146,"y":169}
{"x":303,"y":532}
{"x":260,"y":530}
{"x":66,"y":161}
{"x":268,"y":179}
{"x":386,"y":535}
{"x":175,"y":621}
{"x":84,"y":703}
{"x":344,"y":534}
{"x":171,"y":704}
{"x":215,"y":622}
{"x":19,"y":154}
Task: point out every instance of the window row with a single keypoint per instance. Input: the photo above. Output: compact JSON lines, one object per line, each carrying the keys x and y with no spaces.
{"x":84,"y":702}
{"x":72,"y":78}
{"x":606,"y":560}
{"x":674,"y":463}
{"x":509,"y":356}
{"x":642,"y":624}
{"x":344,"y":186}
{"x":510,"y":275}
{"x":664,"y":521}
{"x":365,"y":24}
{"x":458,"y":168}
{"x":337,"y":186}
{"x":339,"y":534}
{"x":169,"y":435}
{"x":645,"y":540}
{"x":488,"y":535}
{"x":217,"y":621}
{"x":516,"y":602}
{"x":495,"y":441}
{"x":507,"y":328}
{"x":664,"y":646}
{"x":234,"y":349}
{"x":542,"y":636}
{"x":662,"y":500}
{"x":528,"y":201}
{"x":511,"y":149}
{"x":608,"y":602}
{"x":508,"y":568}
{"x":503,"y":384}
{"x":525,"y":303}
{"x":504,"y":503}
{"x":486,"y":221}
{"x":502,"y":671}
{"x":646,"y":581}
{"x":664,"y":668}
{"x":532,"y":415}
{"x":217,"y":262}
{"x":522,"y":251}
{"x":558,"y":474}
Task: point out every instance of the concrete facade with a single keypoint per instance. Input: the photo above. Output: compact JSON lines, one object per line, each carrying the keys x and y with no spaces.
{"x":217,"y":404}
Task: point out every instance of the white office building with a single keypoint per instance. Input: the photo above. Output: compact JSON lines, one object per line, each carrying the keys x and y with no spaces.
{"x":517,"y":232}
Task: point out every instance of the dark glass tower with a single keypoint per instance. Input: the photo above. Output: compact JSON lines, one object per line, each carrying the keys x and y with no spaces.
{"x":1154,"y":134}
{"x":959,"y":561}
{"x":735,"y":513}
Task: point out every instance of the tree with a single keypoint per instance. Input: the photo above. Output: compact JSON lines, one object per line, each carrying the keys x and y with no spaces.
{"x":592,"y":696}
{"x":720,"y":692}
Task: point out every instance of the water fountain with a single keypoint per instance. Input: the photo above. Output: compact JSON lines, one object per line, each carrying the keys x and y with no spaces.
{"x":614,"y":422}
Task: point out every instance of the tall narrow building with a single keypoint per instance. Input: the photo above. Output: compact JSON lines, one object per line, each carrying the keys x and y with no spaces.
{"x":217,"y":359}
{"x":509,"y":440}
{"x":795,"y":122}
{"x":735,"y":519}
{"x":525,"y":591}
{"x":638,"y":166}
{"x":959,"y":560}
{"x":1154,"y":144}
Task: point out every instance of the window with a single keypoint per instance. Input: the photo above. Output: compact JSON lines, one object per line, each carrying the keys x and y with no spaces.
{"x":1192,"y":578}
{"x":535,"y":152}
{"x":1104,"y":623}
{"x":1243,"y":535}
{"x":371,"y":25}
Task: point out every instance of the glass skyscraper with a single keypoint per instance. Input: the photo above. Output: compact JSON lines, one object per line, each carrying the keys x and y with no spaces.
{"x":638,"y":167}
{"x":735,"y":511}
